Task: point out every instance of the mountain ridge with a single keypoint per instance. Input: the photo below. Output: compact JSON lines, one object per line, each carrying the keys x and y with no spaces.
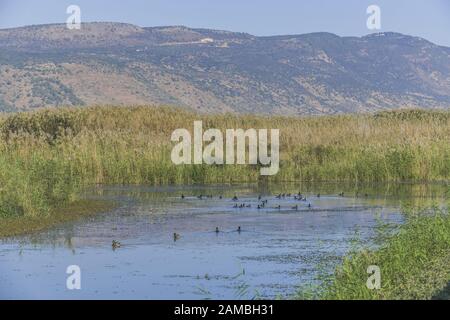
{"x":218,"y":70}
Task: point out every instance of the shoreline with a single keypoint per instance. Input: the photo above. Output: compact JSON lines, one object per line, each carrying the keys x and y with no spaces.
{"x":11,"y":227}
{"x":426,"y":279}
{"x":414,"y":264}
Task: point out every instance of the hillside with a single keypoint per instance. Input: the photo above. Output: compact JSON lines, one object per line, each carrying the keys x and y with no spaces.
{"x":219,"y":71}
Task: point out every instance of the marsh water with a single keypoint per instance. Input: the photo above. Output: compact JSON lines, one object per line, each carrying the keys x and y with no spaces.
{"x":277,"y":250}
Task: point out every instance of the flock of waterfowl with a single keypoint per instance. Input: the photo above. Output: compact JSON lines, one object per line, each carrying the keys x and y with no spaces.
{"x":262,"y":204}
{"x":177,"y":236}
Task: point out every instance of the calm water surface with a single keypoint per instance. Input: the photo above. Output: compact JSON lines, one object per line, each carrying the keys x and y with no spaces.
{"x":276,"y":251}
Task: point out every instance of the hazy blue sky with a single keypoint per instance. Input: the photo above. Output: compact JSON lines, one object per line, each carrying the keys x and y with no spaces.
{"x":426,"y":18}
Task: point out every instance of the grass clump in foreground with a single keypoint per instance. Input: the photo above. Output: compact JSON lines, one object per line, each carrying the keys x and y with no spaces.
{"x":414,"y":264}
{"x":48,"y":156}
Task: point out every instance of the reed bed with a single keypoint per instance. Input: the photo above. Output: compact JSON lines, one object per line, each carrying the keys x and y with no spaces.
{"x":414,"y":263}
{"x":48,"y":156}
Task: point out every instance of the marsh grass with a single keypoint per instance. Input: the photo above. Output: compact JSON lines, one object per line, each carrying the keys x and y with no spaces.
{"x":414,"y":263}
{"x":48,"y":156}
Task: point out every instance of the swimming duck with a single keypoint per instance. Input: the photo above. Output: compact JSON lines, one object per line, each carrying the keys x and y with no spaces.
{"x":176,"y":236}
{"x":341,"y":194}
{"x":239,"y":229}
{"x":235,"y":198}
{"x":278,"y":196}
{"x":217,"y":229}
{"x":182,"y":196}
{"x":115,"y":244}
{"x":318,"y":195}
{"x":295,"y":207}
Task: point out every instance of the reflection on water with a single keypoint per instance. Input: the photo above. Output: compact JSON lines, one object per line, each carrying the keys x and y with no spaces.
{"x":276,"y":249}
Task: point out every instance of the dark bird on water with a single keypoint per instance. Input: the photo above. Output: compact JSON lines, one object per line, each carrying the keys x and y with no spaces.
{"x":176,"y":236}
{"x":182,"y":196}
{"x":217,"y":229}
{"x":318,"y":195}
{"x":341,"y":194}
{"x":295,"y":207}
{"x":239,"y":229}
{"x":235,"y":198}
{"x":116,"y":244}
